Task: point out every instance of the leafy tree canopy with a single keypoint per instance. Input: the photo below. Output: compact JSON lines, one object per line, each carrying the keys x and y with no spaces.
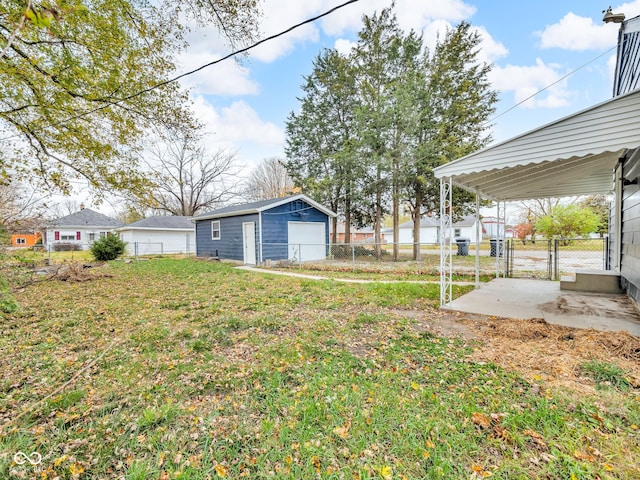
{"x":79,"y":83}
{"x":567,"y":221}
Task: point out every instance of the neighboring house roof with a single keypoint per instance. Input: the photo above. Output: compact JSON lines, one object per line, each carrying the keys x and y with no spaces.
{"x":161,"y":222}
{"x":571,"y":156}
{"x":86,"y":218}
{"x":261,"y":206}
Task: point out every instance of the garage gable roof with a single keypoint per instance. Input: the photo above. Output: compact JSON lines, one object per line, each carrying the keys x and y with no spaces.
{"x":571,"y":156}
{"x":261,"y":206}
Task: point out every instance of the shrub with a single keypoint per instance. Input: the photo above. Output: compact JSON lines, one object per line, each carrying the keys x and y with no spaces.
{"x":107,"y":248}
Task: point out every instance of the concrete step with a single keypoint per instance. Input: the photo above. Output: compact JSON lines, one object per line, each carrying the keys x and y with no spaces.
{"x":596,"y":281}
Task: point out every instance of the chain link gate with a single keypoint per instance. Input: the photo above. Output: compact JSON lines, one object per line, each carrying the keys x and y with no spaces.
{"x":552,"y":259}
{"x":529,"y":259}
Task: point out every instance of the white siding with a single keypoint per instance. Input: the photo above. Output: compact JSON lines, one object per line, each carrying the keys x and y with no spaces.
{"x":151,"y":242}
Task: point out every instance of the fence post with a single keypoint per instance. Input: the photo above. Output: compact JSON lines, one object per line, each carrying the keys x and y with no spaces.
{"x":353,"y":257}
{"x":556,"y":259}
{"x":135,"y":250}
{"x":300,"y":255}
{"x":161,"y":248}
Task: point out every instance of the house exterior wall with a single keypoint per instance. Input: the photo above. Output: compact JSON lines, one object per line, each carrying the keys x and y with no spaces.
{"x":157,"y":241}
{"x":229,"y":246}
{"x":25,"y":240}
{"x":83,"y":237}
{"x":630,"y":230}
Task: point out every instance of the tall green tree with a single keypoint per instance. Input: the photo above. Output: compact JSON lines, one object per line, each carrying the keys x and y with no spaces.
{"x":454,"y":103}
{"x":320,"y":136}
{"x":82,"y":80}
{"x":374,"y":58}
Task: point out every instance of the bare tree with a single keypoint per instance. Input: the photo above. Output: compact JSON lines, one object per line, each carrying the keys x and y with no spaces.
{"x":187,"y":180}
{"x":22,"y":209}
{"x":269,"y":180}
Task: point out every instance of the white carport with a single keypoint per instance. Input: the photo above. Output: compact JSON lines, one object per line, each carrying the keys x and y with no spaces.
{"x":576,"y":155}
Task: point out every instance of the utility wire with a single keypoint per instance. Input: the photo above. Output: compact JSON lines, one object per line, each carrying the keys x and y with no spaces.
{"x":202,"y":67}
{"x":550,"y":85}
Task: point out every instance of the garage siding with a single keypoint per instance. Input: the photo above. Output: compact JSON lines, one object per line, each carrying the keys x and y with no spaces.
{"x":275,"y":222}
{"x":229,"y":245}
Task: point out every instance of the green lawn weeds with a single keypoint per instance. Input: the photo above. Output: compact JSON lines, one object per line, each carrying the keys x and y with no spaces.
{"x":186,"y":369}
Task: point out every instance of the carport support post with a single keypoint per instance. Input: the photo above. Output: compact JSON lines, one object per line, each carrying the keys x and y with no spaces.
{"x":478,"y":238}
{"x":446,"y":260}
{"x":497,"y":240}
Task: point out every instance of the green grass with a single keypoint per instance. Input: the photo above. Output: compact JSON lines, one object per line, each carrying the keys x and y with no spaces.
{"x":606,"y":374}
{"x":195,"y":370}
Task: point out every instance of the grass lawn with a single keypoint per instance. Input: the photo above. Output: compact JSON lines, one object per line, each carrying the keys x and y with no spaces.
{"x":185,"y":369}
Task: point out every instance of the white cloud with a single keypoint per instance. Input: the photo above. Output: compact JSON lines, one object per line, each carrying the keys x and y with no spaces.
{"x":344,"y":46}
{"x":411,"y":14}
{"x":573,"y":32}
{"x":490,"y":49}
{"x":525,"y":81}
{"x":224,"y":78}
{"x":238,"y":127}
{"x":278,"y":15}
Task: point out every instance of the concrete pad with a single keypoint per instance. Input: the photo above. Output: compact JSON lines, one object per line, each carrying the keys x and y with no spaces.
{"x":526,"y":299}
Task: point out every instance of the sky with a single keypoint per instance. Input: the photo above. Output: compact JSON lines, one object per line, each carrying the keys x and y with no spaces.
{"x":532,"y":45}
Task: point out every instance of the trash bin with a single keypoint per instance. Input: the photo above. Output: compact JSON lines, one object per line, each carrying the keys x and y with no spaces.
{"x":496,"y":247}
{"x":463,"y":246}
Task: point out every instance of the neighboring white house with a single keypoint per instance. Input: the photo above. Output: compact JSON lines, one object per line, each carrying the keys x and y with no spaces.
{"x":430,"y":230}
{"x":159,"y":234}
{"x":78,"y":230}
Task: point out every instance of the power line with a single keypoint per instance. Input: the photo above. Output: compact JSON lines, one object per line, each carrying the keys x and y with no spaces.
{"x":202,"y":67}
{"x":550,"y":85}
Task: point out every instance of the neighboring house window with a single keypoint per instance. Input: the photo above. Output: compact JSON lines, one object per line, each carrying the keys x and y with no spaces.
{"x":67,"y":238}
{"x":21,"y":241}
{"x":215,"y":230}
{"x":78,"y":235}
{"x":56,"y":235}
{"x":92,"y":237}
{"x":103,"y":234}
{"x":456,"y":232}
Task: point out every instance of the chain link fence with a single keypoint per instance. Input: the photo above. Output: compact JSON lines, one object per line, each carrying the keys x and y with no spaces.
{"x":548,"y":259}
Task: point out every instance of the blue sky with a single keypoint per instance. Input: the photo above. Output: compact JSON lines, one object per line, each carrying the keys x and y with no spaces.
{"x":531,"y":43}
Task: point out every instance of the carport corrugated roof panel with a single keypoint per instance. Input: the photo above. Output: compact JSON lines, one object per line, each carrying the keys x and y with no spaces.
{"x":571,"y":156}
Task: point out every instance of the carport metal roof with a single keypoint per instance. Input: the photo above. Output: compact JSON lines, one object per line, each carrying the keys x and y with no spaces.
{"x":571,"y":156}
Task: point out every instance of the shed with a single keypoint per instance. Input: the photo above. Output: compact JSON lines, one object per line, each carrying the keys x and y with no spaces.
{"x":159,"y":234}
{"x":79,"y":230}
{"x":294,"y":228}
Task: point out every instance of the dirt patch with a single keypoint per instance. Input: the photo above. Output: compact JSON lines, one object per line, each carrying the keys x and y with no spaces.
{"x":535,"y":349}
{"x":74,"y":272}
{"x":614,"y":306}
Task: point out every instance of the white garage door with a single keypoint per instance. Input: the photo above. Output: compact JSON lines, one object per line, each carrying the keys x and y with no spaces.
{"x":307,"y":241}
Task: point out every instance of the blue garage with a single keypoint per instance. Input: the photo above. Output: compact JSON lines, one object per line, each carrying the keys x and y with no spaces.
{"x":294,"y":228}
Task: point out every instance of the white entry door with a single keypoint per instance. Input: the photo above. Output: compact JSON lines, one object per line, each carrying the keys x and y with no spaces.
{"x":249,"y":242}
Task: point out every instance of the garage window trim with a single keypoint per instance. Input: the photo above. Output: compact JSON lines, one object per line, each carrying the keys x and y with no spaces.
{"x":215,"y":230}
